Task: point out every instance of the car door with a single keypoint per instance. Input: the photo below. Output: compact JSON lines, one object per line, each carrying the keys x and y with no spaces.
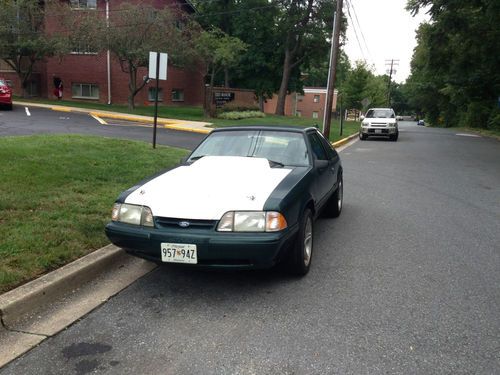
{"x":324,"y":175}
{"x":334,"y":159}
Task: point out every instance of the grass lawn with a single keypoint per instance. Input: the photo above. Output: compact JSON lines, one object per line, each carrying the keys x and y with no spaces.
{"x":196,"y":114}
{"x":57,"y":193}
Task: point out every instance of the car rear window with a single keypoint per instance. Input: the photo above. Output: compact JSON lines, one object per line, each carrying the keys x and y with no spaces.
{"x":287,"y":148}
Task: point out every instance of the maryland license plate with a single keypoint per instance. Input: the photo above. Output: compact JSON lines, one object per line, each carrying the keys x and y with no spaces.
{"x":178,"y":253}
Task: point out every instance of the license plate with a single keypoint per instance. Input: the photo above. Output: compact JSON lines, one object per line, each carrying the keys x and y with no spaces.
{"x":178,"y":253}
{"x":378,"y":131}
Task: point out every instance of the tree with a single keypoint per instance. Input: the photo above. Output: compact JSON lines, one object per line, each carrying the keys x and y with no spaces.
{"x":23,"y":39}
{"x":455,"y":77}
{"x":134,"y":30}
{"x":354,"y":87}
{"x":306,"y":27}
{"x":217,"y":51}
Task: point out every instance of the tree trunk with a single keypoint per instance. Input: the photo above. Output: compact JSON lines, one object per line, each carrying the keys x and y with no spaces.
{"x":226,"y":77}
{"x":211,"y":95}
{"x":280,"y":105}
{"x":132,"y":86}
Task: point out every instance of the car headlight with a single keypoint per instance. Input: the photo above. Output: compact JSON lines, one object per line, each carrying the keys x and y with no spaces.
{"x":132,"y":214}
{"x":365,"y":123}
{"x":252,"y":221}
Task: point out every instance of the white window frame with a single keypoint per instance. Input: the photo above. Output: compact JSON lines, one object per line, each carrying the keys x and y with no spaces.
{"x":181,"y":91}
{"x":151,"y":94}
{"x":82,"y":4}
{"x":82,"y":96}
{"x":315,"y":114}
{"x":316,"y":97}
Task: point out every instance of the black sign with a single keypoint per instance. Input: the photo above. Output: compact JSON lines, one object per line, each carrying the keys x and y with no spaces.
{"x":221,"y":98}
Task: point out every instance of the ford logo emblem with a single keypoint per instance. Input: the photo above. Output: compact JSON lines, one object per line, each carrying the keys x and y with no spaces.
{"x":184,"y":224}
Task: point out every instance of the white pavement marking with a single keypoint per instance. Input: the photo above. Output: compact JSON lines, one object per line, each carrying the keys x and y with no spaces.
{"x":27,"y":111}
{"x":468,"y":135}
{"x":100,"y":120}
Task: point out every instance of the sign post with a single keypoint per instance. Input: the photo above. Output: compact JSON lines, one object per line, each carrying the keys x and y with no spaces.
{"x":157,"y":70}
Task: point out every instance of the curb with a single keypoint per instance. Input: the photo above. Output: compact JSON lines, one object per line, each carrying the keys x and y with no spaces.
{"x":344,"y":140}
{"x":34,"y":295}
{"x":167,"y":123}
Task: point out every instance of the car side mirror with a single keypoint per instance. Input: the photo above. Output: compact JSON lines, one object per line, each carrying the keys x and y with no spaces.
{"x":361,"y":117}
{"x":321,"y":164}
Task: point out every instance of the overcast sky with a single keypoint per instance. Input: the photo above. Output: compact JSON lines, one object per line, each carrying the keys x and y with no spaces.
{"x":389,"y":31}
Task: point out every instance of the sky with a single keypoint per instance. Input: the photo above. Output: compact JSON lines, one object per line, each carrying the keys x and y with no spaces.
{"x":389,"y":32}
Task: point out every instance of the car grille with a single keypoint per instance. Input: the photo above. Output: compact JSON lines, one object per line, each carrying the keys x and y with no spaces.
{"x":379,"y":124}
{"x":383,"y":131}
{"x":169,"y":222}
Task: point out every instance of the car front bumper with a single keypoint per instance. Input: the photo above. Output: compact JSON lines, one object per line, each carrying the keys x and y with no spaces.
{"x":214,"y":249}
{"x":370,"y":130}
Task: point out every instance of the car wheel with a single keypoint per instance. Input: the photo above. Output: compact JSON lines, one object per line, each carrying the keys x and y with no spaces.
{"x":9,"y":107}
{"x":394,"y":138}
{"x":334,"y":206}
{"x":362,"y":136}
{"x":301,"y":255}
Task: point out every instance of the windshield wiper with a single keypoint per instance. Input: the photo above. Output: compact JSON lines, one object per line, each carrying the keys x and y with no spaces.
{"x":196,"y":158}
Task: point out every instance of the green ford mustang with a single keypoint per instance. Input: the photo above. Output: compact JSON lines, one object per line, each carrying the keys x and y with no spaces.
{"x":245,"y":198}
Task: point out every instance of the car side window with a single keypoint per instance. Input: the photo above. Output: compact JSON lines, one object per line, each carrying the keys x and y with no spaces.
{"x":330,"y":151}
{"x":316,"y":147}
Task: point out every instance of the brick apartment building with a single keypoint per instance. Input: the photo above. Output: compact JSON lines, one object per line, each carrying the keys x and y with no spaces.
{"x":98,"y":77}
{"x":311,"y":104}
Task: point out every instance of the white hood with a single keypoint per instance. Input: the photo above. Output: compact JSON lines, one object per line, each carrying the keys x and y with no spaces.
{"x":210,"y":187}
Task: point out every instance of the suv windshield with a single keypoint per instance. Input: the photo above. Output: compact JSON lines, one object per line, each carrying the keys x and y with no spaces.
{"x":287,"y":148}
{"x":380,"y":113}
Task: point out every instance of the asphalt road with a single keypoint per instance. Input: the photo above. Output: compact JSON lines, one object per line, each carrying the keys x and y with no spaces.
{"x":35,"y":120}
{"x":406,"y":281}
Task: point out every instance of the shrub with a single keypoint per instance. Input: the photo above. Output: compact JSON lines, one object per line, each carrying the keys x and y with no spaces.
{"x":240,"y":115}
{"x":238,"y":107}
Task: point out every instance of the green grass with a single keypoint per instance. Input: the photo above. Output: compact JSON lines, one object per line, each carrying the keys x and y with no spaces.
{"x":57,"y":193}
{"x":196,"y":114}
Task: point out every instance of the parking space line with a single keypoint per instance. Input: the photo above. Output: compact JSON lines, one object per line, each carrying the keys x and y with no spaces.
{"x":100,"y":120}
{"x":27,"y":111}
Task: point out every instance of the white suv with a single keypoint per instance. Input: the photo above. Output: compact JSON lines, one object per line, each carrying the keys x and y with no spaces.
{"x":379,"y":122}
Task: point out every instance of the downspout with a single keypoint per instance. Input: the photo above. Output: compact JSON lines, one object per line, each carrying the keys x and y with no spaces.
{"x":108,"y":56}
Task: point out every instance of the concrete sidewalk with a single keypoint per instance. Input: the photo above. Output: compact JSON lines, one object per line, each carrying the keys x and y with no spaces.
{"x":174,"y":124}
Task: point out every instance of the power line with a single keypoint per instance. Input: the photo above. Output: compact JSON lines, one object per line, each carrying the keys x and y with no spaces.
{"x":355,"y":33}
{"x":351,"y":4}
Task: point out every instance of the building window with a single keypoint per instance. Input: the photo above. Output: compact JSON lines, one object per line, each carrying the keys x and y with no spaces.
{"x":316,"y":99}
{"x":300,"y":97}
{"x":83,"y":4}
{"x":315,"y":114}
{"x":298,"y":113}
{"x":152,"y":93}
{"x":84,"y":91}
{"x":82,"y":49}
{"x":177,"y":95}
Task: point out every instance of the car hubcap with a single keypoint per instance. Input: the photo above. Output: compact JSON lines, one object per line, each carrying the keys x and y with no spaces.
{"x":341,"y":193}
{"x":308,"y":242}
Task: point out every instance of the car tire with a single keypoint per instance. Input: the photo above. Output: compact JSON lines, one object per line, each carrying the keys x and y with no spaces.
{"x":9,"y":107}
{"x":301,"y":254}
{"x":394,"y":138}
{"x":362,"y":136}
{"x":336,"y":201}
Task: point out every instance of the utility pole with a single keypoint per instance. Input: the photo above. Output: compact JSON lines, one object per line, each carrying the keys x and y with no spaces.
{"x":394,"y":64}
{"x":332,"y":70}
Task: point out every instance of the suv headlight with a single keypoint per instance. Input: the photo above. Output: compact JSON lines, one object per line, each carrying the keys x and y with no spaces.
{"x":252,"y":221}
{"x":365,"y":123}
{"x":132,"y":214}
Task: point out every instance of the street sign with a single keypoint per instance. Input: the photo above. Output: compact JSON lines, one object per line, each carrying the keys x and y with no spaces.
{"x":153,"y":58}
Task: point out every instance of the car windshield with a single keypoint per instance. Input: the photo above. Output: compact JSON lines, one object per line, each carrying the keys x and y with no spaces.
{"x":279,"y":147}
{"x":380,"y":113}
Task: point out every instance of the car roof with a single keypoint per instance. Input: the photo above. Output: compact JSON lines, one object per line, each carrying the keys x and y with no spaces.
{"x":385,"y":109}
{"x":266,"y":127}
